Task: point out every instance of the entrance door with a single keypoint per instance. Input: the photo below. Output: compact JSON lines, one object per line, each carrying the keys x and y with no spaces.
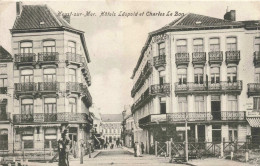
{"x":201,"y":133}
{"x":215,"y":110}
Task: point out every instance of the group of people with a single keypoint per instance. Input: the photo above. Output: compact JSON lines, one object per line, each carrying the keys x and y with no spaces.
{"x":137,"y":148}
{"x":112,"y":145}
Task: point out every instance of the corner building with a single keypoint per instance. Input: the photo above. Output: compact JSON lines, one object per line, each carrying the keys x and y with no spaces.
{"x":200,"y":69}
{"x":51,"y":79}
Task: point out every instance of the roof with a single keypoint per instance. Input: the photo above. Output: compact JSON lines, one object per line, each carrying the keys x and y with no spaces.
{"x":190,"y":22}
{"x":112,"y":117}
{"x":5,"y":56}
{"x":42,"y":18}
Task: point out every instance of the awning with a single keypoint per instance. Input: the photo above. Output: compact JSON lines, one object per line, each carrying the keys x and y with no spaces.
{"x":254,"y":122}
{"x":37,"y":125}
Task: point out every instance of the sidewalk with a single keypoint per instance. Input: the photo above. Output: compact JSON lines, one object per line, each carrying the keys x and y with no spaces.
{"x":217,"y":162}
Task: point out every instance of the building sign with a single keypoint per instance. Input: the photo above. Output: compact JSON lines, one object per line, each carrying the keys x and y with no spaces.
{"x":159,"y":38}
{"x":158,"y":118}
{"x":182,"y":128}
{"x":253,"y":114}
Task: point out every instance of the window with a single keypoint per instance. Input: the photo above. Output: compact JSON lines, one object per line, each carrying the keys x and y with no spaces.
{"x":27,"y":106}
{"x":198,"y":75}
{"x":26,"y":76}
{"x":4,"y":139}
{"x":181,"y":46}
{"x":198,"y":45}
{"x":214,"y":44}
{"x":199,"y":104}
{"x":50,"y":106}
{"x":183,"y":104}
{"x":162,"y":49}
{"x":49,"y":75}
{"x":72,"y":75}
{"x":231,"y":74}
{"x":72,"y":47}
{"x":49,"y":46}
{"x":257,"y":44}
{"x":50,"y":135}
{"x":216,"y":133}
{"x":182,"y":76}
{"x":232,"y":103}
{"x":231,"y":44}
{"x":3,"y":82}
{"x":256,"y":103}
{"x":163,"y":105}
{"x":257,"y":75}
{"x":26,"y":47}
{"x":214,"y":75}
{"x":3,"y":114}
{"x":162,"y":77}
{"x":232,"y":133}
{"x":72,"y":105}
{"x":27,"y":138}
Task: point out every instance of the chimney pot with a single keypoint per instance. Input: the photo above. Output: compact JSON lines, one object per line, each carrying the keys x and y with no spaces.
{"x":231,"y":16}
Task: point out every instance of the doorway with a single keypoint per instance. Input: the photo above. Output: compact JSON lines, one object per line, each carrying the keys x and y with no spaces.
{"x":216,"y":107}
{"x":201,"y":133}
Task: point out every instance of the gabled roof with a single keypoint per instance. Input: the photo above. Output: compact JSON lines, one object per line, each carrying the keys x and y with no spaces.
{"x":112,"y":117}
{"x":5,"y":56}
{"x":189,"y":22}
{"x":35,"y":18}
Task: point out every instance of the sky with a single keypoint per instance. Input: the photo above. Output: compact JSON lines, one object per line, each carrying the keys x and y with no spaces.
{"x":115,"y":42}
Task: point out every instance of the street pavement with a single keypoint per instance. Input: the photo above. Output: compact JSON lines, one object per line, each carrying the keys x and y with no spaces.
{"x":124,"y":156}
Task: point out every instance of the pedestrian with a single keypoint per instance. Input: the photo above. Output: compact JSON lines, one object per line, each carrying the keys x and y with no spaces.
{"x":138,"y":150}
{"x":64,"y":148}
{"x":142,"y":147}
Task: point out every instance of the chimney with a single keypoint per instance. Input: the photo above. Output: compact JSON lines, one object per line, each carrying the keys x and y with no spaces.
{"x":19,"y":8}
{"x":231,"y":16}
{"x":66,"y":17}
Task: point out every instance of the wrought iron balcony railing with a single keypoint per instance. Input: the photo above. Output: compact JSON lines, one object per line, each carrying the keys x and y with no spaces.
{"x":5,"y":116}
{"x":152,"y":118}
{"x":73,"y":58}
{"x":25,"y":87}
{"x":257,"y":58}
{"x":74,"y":87}
{"x":232,"y":57}
{"x":163,"y":89}
{"x":182,"y":58}
{"x":55,"y":117}
{"x":215,"y":57}
{"x":142,"y":100}
{"x":253,"y":89}
{"x":85,"y":71}
{"x":25,"y":58}
{"x":48,"y":57}
{"x":48,"y":86}
{"x":87,"y":95}
{"x":3,"y":90}
{"x":159,"y":61}
{"x":199,"y":57}
{"x":221,"y":87}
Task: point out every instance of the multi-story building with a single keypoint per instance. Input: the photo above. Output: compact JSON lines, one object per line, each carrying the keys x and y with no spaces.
{"x":197,"y":69}
{"x":6,"y":101}
{"x":51,"y":79}
{"x":128,"y":127}
{"x":111,"y":126}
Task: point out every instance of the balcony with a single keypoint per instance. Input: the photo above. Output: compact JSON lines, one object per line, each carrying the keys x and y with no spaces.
{"x":3,"y":90}
{"x":215,"y":57}
{"x":5,"y":117}
{"x":48,"y":58}
{"x":48,"y":87}
{"x":142,"y":100}
{"x":199,"y":58}
{"x":74,"y":87}
{"x":159,"y":61}
{"x":87,"y":96}
{"x":253,"y":89}
{"x":232,"y":57}
{"x":25,"y":59}
{"x":161,"y":90}
{"x":257,"y":58}
{"x":47,"y":118}
{"x":208,"y":87}
{"x":86,"y":72}
{"x":182,"y":59}
{"x":152,"y":119}
{"x":25,"y":88}
{"x":72,"y":58}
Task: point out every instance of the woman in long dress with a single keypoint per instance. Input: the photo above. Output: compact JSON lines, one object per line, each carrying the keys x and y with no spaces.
{"x":138,"y":150}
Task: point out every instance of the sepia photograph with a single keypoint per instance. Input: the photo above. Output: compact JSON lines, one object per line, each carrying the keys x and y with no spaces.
{"x":133,"y":82}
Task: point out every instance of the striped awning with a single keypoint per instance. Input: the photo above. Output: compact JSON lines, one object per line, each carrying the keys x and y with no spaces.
{"x":254,"y":122}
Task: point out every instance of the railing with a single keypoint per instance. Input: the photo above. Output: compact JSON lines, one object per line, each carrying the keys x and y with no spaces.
{"x":25,"y":57}
{"x":253,"y":89}
{"x":5,"y":116}
{"x":48,"y":86}
{"x":48,"y":56}
{"x":72,"y":57}
{"x":152,"y":118}
{"x":198,"y":57}
{"x":182,"y":58}
{"x":3,"y":90}
{"x":143,"y":99}
{"x":256,"y":57}
{"x":25,"y":87}
{"x":74,"y":87}
{"x":85,"y":71}
{"x":232,"y":56}
{"x":55,"y":117}
{"x":215,"y":57}
{"x":161,"y":89}
{"x":87,"y":95}
{"x":159,"y":60}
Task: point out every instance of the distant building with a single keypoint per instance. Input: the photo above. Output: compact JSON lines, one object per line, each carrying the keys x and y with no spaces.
{"x":111,"y":126}
{"x":128,"y":127}
{"x":97,"y":125}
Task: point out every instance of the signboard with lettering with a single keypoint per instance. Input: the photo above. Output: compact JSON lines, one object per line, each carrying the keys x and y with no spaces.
{"x":160,"y":38}
{"x":253,"y":114}
{"x":182,"y":128}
